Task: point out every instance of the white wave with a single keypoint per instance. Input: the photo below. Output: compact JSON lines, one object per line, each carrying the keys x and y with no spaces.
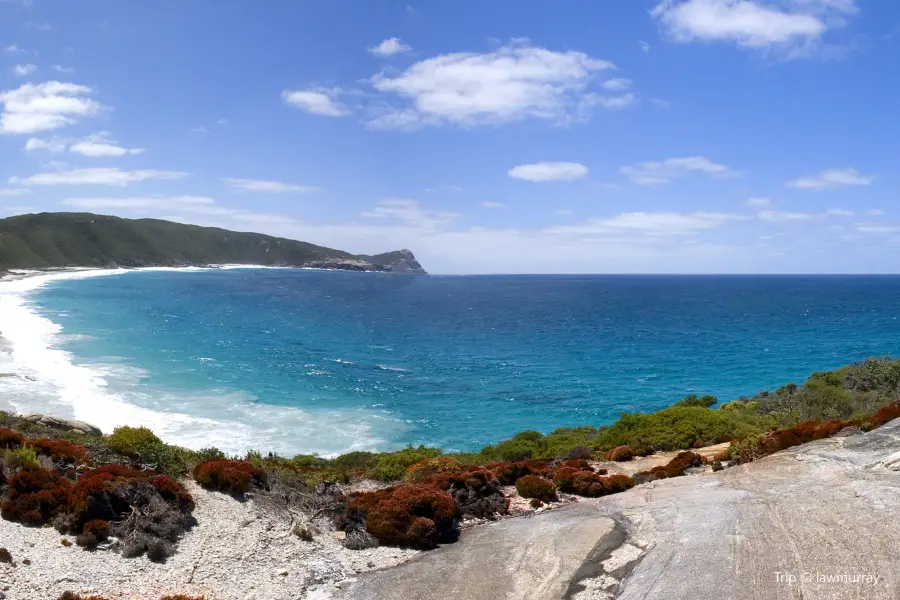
{"x":389,"y":368}
{"x":48,"y":379}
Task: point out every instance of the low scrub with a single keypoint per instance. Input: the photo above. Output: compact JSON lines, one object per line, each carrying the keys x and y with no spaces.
{"x":590,"y":484}
{"x":229,"y":476}
{"x":532,"y":486}
{"x":621,"y":454}
{"x":408,"y":515}
{"x":62,"y":452}
{"x":9,"y":439}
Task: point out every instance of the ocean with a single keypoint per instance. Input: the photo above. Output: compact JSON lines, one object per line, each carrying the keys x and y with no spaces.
{"x":300,"y":361}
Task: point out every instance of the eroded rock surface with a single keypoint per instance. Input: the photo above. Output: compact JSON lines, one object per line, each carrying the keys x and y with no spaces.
{"x":815,"y":522}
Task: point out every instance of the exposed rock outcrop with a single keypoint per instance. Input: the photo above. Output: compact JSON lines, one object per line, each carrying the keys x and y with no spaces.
{"x":64,"y":424}
{"x":815,"y":521}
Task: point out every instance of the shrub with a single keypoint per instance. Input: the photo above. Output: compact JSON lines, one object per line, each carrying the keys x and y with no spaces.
{"x":23,"y":458}
{"x":9,"y":439}
{"x":352,"y":460}
{"x":60,"y":451}
{"x":410,"y":515}
{"x":507,"y":473}
{"x":621,"y":454}
{"x":35,"y":497}
{"x":74,"y":596}
{"x":143,"y":446}
{"x":93,"y":533}
{"x":885,"y":414}
{"x":392,"y":466}
{"x":149,"y":511}
{"x":425,"y":469}
{"x":693,"y":400}
{"x":229,"y":476}
{"x":476,"y":492}
{"x":589,"y":484}
{"x":677,"y":466}
{"x":532,"y":486}
{"x":678,"y":427}
{"x":5,"y":556}
{"x":535,"y":503}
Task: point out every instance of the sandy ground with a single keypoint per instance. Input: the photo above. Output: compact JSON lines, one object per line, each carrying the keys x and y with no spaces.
{"x":234,"y":553}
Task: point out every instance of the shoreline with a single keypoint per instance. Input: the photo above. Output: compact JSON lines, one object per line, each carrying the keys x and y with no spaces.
{"x":51,"y":380}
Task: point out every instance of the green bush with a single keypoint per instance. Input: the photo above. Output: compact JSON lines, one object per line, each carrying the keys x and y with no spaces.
{"x":677,"y":427}
{"x":392,"y":466}
{"x":142,"y":445}
{"x":24,"y":458}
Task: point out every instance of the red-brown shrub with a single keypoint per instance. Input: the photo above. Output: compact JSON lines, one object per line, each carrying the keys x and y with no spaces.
{"x":60,"y":450}
{"x":579,"y":464}
{"x":74,"y":596}
{"x":229,"y":476}
{"x":476,"y":493}
{"x":699,"y":444}
{"x":9,"y":439}
{"x":93,"y":533}
{"x":591,"y":485}
{"x":35,"y":497}
{"x":424,"y":469}
{"x":885,"y":414}
{"x":621,"y":454}
{"x":172,"y":491}
{"x":410,"y":515}
{"x":508,"y":473}
{"x":532,"y":486}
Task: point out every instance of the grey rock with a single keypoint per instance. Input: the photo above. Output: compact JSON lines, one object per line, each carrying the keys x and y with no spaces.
{"x":816,"y":521}
{"x":64,"y":424}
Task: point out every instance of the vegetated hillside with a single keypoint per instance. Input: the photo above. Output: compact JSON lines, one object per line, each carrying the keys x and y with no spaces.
{"x":47,"y":240}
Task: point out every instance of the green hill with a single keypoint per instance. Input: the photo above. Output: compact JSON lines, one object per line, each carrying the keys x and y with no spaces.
{"x":49,"y":240}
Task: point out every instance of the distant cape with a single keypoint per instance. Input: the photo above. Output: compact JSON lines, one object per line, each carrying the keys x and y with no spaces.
{"x":60,"y":240}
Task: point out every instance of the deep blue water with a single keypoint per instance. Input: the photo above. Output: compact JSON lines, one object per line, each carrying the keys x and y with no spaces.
{"x":382,"y":361}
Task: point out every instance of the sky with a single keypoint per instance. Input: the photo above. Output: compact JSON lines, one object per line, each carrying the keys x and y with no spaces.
{"x":613,"y":136}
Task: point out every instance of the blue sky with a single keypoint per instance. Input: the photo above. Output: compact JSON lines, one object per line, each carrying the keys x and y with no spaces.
{"x":680,"y":136}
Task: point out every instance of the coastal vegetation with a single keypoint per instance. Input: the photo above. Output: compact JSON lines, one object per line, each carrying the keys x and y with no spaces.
{"x":126,"y":485}
{"x":54,"y":240}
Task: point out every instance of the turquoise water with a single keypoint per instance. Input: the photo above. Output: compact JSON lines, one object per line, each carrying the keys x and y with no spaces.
{"x":306,"y":361}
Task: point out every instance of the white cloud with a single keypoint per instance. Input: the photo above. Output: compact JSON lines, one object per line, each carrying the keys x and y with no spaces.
{"x":14,"y":192}
{"x":619,"y":84}
{"x":14,"y":49}
{"x":512,"y":83}
{"x":611,"y":102}
{"x":875,"y":212}
{"x":272,"y":187}
{"x":199,"y":204}
{"x":492,"y":204}
{"x":644,"y":46}
{"x":549,"y":171}
{"x":96,"y":176}
{"x":793,"y":25}
{"x":758,"y":202}
{"x":648,"y":223}
{"x":830,"y":179}
{"x":40,"y":107}
{"x":877,"y":228}
{"x":656,"y":173}
{"x":780,"y":216}
{"x":100,"y":144}
{"x":317,"y":101}
{"x":62,"y":69}
{"x":389,"y":47}
{"x":24,"y":70}
{"x":53,"y":145}
{"x":409,"y":213}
